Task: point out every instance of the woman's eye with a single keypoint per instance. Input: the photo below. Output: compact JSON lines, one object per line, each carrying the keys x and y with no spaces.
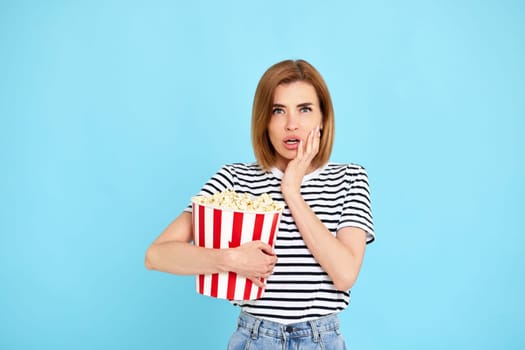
{"x":305,"y":109}
{"x":277,"y":111}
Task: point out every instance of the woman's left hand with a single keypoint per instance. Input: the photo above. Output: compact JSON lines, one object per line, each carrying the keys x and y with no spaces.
{"x":298,"y":167}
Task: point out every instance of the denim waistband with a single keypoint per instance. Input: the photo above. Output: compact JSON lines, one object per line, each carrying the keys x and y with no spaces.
{"x":312,"y":328}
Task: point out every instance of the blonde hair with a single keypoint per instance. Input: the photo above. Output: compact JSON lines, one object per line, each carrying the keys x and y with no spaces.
{"x":286,"y":72}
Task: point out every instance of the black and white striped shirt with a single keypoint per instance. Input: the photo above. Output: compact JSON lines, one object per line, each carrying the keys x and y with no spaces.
{"x":299,"y":289}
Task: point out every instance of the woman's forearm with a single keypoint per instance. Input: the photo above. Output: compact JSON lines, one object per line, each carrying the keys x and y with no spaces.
{"x":184,"y":258}
{"x":338,"y":260}
{"x":173,"y":252}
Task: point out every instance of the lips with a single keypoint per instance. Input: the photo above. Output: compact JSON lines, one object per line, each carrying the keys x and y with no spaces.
{"x":291,"y":142}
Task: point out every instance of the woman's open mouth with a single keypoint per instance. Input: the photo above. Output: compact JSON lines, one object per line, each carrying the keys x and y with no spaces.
{"x":291,"y":143}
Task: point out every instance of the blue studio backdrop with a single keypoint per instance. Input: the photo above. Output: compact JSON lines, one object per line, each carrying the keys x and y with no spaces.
{"x":114,"y":113}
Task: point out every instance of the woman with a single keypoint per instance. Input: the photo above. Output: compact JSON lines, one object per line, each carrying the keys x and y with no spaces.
{"x":325,"y":226}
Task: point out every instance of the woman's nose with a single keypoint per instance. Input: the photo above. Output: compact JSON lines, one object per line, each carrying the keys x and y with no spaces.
{"x":292,"y":122}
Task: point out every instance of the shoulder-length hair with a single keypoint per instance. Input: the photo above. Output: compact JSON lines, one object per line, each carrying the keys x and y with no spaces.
{"x":287,"y":72}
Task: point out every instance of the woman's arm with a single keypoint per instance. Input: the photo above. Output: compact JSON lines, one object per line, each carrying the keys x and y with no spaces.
{"x":173,"y":252}
{"x":339,"y":256}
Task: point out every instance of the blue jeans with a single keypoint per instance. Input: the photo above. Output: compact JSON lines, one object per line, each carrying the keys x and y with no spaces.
{"x":257,"y":334}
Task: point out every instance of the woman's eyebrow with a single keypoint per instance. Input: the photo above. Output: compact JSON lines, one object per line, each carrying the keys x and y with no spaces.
{"x":305,"y":104}
{"x":300,"y":105}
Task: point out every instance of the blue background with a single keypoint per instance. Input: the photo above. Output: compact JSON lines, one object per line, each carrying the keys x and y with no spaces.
{"x":114,"y":113}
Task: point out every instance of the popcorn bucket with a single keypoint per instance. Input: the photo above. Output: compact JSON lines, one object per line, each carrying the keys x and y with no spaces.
{"x":217,"y":228}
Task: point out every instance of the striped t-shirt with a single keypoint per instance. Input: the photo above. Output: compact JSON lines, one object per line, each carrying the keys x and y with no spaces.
{"x":299,"y":289}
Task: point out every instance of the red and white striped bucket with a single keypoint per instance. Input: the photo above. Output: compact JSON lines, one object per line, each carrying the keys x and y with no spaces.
{"x":223,"y":228}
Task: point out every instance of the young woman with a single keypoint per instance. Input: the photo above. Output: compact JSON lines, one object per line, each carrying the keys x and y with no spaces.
{"x":325,"y":226}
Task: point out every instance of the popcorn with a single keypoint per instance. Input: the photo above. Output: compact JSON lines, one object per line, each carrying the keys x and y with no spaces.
{"x":232,"y":200}
{"x":228,"y":220}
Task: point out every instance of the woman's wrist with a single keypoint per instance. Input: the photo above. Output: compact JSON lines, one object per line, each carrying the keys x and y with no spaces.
{"x":290,"y":193}
{"x":226,"y":259}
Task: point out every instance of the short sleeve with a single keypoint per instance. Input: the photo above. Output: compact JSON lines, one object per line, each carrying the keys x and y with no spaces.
{"x":221,"y":181}
{"x":357,"y":211}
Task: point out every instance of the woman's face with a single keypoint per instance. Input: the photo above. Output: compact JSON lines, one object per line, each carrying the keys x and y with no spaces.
{"x":295,"y":113}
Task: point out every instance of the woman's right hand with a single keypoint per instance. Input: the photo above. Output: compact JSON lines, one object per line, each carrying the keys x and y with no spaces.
{"x":254,"y":260}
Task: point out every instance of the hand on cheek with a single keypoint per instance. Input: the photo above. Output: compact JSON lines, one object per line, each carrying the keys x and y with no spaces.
{"x":301,"y":164}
